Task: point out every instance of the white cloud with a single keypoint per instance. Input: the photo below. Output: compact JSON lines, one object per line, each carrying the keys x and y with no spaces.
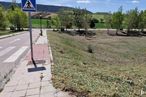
{"x":83,"y":1}
{"x":135,"y":1}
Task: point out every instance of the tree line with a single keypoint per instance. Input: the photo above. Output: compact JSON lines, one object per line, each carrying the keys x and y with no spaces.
{"x":134,"y":21}
{"x":13,"y":18}
{"x":72,"y":18}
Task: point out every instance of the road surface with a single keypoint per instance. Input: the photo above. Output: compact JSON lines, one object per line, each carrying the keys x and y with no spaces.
{"x":13,"y":50}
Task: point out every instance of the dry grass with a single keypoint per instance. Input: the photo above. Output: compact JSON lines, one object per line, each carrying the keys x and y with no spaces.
{"x":115,"y":69}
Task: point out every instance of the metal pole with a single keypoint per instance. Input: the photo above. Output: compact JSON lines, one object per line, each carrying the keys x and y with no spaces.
{"x":30,"y":30}
{"x":41,"y":32}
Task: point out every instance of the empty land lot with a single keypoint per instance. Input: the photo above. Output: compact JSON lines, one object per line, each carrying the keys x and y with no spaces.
{"x":116,"y":68}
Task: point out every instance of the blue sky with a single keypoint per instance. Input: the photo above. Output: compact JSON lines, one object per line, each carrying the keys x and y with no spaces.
{"x":95,"y":5}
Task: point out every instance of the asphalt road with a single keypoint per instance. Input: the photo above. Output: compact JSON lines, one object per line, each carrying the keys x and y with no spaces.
{"x":13,"y":50}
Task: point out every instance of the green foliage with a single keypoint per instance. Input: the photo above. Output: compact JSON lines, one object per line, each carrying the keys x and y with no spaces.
{"x":55,"y":21}
{"x":108,"y":20}
{"x":117,"y":19}
{"x":3,"y":19}
{"x":131,"y":19}
{"x":144,"y":18}
{"x":36,"y":23}
{"x":66,"y":18}
{"x":92,"y":24}
{"x":17,"y":18}
{"x":82,"y":18}
{"x":136,"y":20}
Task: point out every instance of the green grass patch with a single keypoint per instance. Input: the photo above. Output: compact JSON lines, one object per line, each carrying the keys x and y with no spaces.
{"x":36,"y":23}
{"x":5,"y":32}
{"x":100,"y":25}
{"x":116,"y":68}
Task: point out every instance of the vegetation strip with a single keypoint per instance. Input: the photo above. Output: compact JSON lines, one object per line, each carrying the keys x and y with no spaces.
{"x":114,"y":68}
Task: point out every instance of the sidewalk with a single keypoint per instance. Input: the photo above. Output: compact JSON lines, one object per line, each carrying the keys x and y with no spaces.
{"x":34,"y":82}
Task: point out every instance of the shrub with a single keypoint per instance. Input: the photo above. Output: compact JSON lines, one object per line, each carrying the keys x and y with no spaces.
{"x":90,"y":49}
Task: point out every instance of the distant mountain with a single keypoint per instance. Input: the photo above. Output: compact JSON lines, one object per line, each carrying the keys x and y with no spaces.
{"x":40,"y":7}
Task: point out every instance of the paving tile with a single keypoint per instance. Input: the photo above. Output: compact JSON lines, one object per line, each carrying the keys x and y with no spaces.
{"x":9,"y":88}
{"x":33,"y":96}
{"x":12,"y":83}
{"x":34,"y":85}
{"x":45,"y":83}
{"x":21,"y":87}
{"x":33,"y":92}
{"x":49,"y":94}
{"x":19,"y":93}
{"x":48,"y":89}
{"x":4,"y":94}
{"x":23,"y":82}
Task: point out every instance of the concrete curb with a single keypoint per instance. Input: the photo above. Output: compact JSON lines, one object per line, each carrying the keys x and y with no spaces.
{"x":50,"y":51}
{"x":51,"y":56}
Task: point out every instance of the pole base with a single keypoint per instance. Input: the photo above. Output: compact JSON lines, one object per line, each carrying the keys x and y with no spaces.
{"x":41,"y":33}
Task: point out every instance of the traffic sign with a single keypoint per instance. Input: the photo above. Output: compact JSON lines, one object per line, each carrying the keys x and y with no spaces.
{"x":29,"y":5}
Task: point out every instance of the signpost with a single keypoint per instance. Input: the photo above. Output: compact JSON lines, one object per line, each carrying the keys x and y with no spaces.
{"x":29,"y":6}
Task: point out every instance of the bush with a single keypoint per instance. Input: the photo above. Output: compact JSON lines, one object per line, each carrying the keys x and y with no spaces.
{"x":3,"y":19}
{"x":12,"y":28}
{"x":90,"y":49}
{"x":133,"y":33}
{"x":62,"y":29}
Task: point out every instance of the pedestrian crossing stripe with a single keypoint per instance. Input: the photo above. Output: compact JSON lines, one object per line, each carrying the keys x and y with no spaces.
{"x":28,"y":5}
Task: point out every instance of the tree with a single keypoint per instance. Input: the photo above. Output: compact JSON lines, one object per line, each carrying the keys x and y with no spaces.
{"x":108,"y":20}
{"x":82,"y":19}
{"x":144,"y":18}
{"x":132,"y":19}
{"x":95,"y":20}
{"x":142,"y":21}
{"x":92,"y":24}
{"x":55,"y":22}
{"x":117,"y":20}
{"x":66,"y":18}
{"x":101,"y":20}
{"x":17,"y":18}
{"x":3,"y":20}
{"x":49,"y":22}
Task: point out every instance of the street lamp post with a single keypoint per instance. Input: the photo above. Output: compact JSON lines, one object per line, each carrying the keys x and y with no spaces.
{"x":41,"y":32}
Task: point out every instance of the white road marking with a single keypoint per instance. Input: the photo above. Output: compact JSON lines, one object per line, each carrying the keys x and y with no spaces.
{"x":3,"y":52}
{"x":15,"y":40}
{"x":16,"y":55}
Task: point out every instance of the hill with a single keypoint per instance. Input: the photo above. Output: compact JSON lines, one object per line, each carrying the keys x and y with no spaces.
{"x":40,"y":7}
{"x":102,"y":13}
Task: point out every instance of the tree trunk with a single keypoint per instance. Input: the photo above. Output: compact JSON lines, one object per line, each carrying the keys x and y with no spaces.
{"x":128,"y":30}
{"x":108,"y":31}
{"x":116,"y":31}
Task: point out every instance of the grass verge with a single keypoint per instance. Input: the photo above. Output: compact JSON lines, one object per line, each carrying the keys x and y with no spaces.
{"x":36,"y":23}
{"x":5,"y":32}
{"x":116,"y":68}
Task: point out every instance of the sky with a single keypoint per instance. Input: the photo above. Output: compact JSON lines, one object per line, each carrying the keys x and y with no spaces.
{"x":95,"y":5}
